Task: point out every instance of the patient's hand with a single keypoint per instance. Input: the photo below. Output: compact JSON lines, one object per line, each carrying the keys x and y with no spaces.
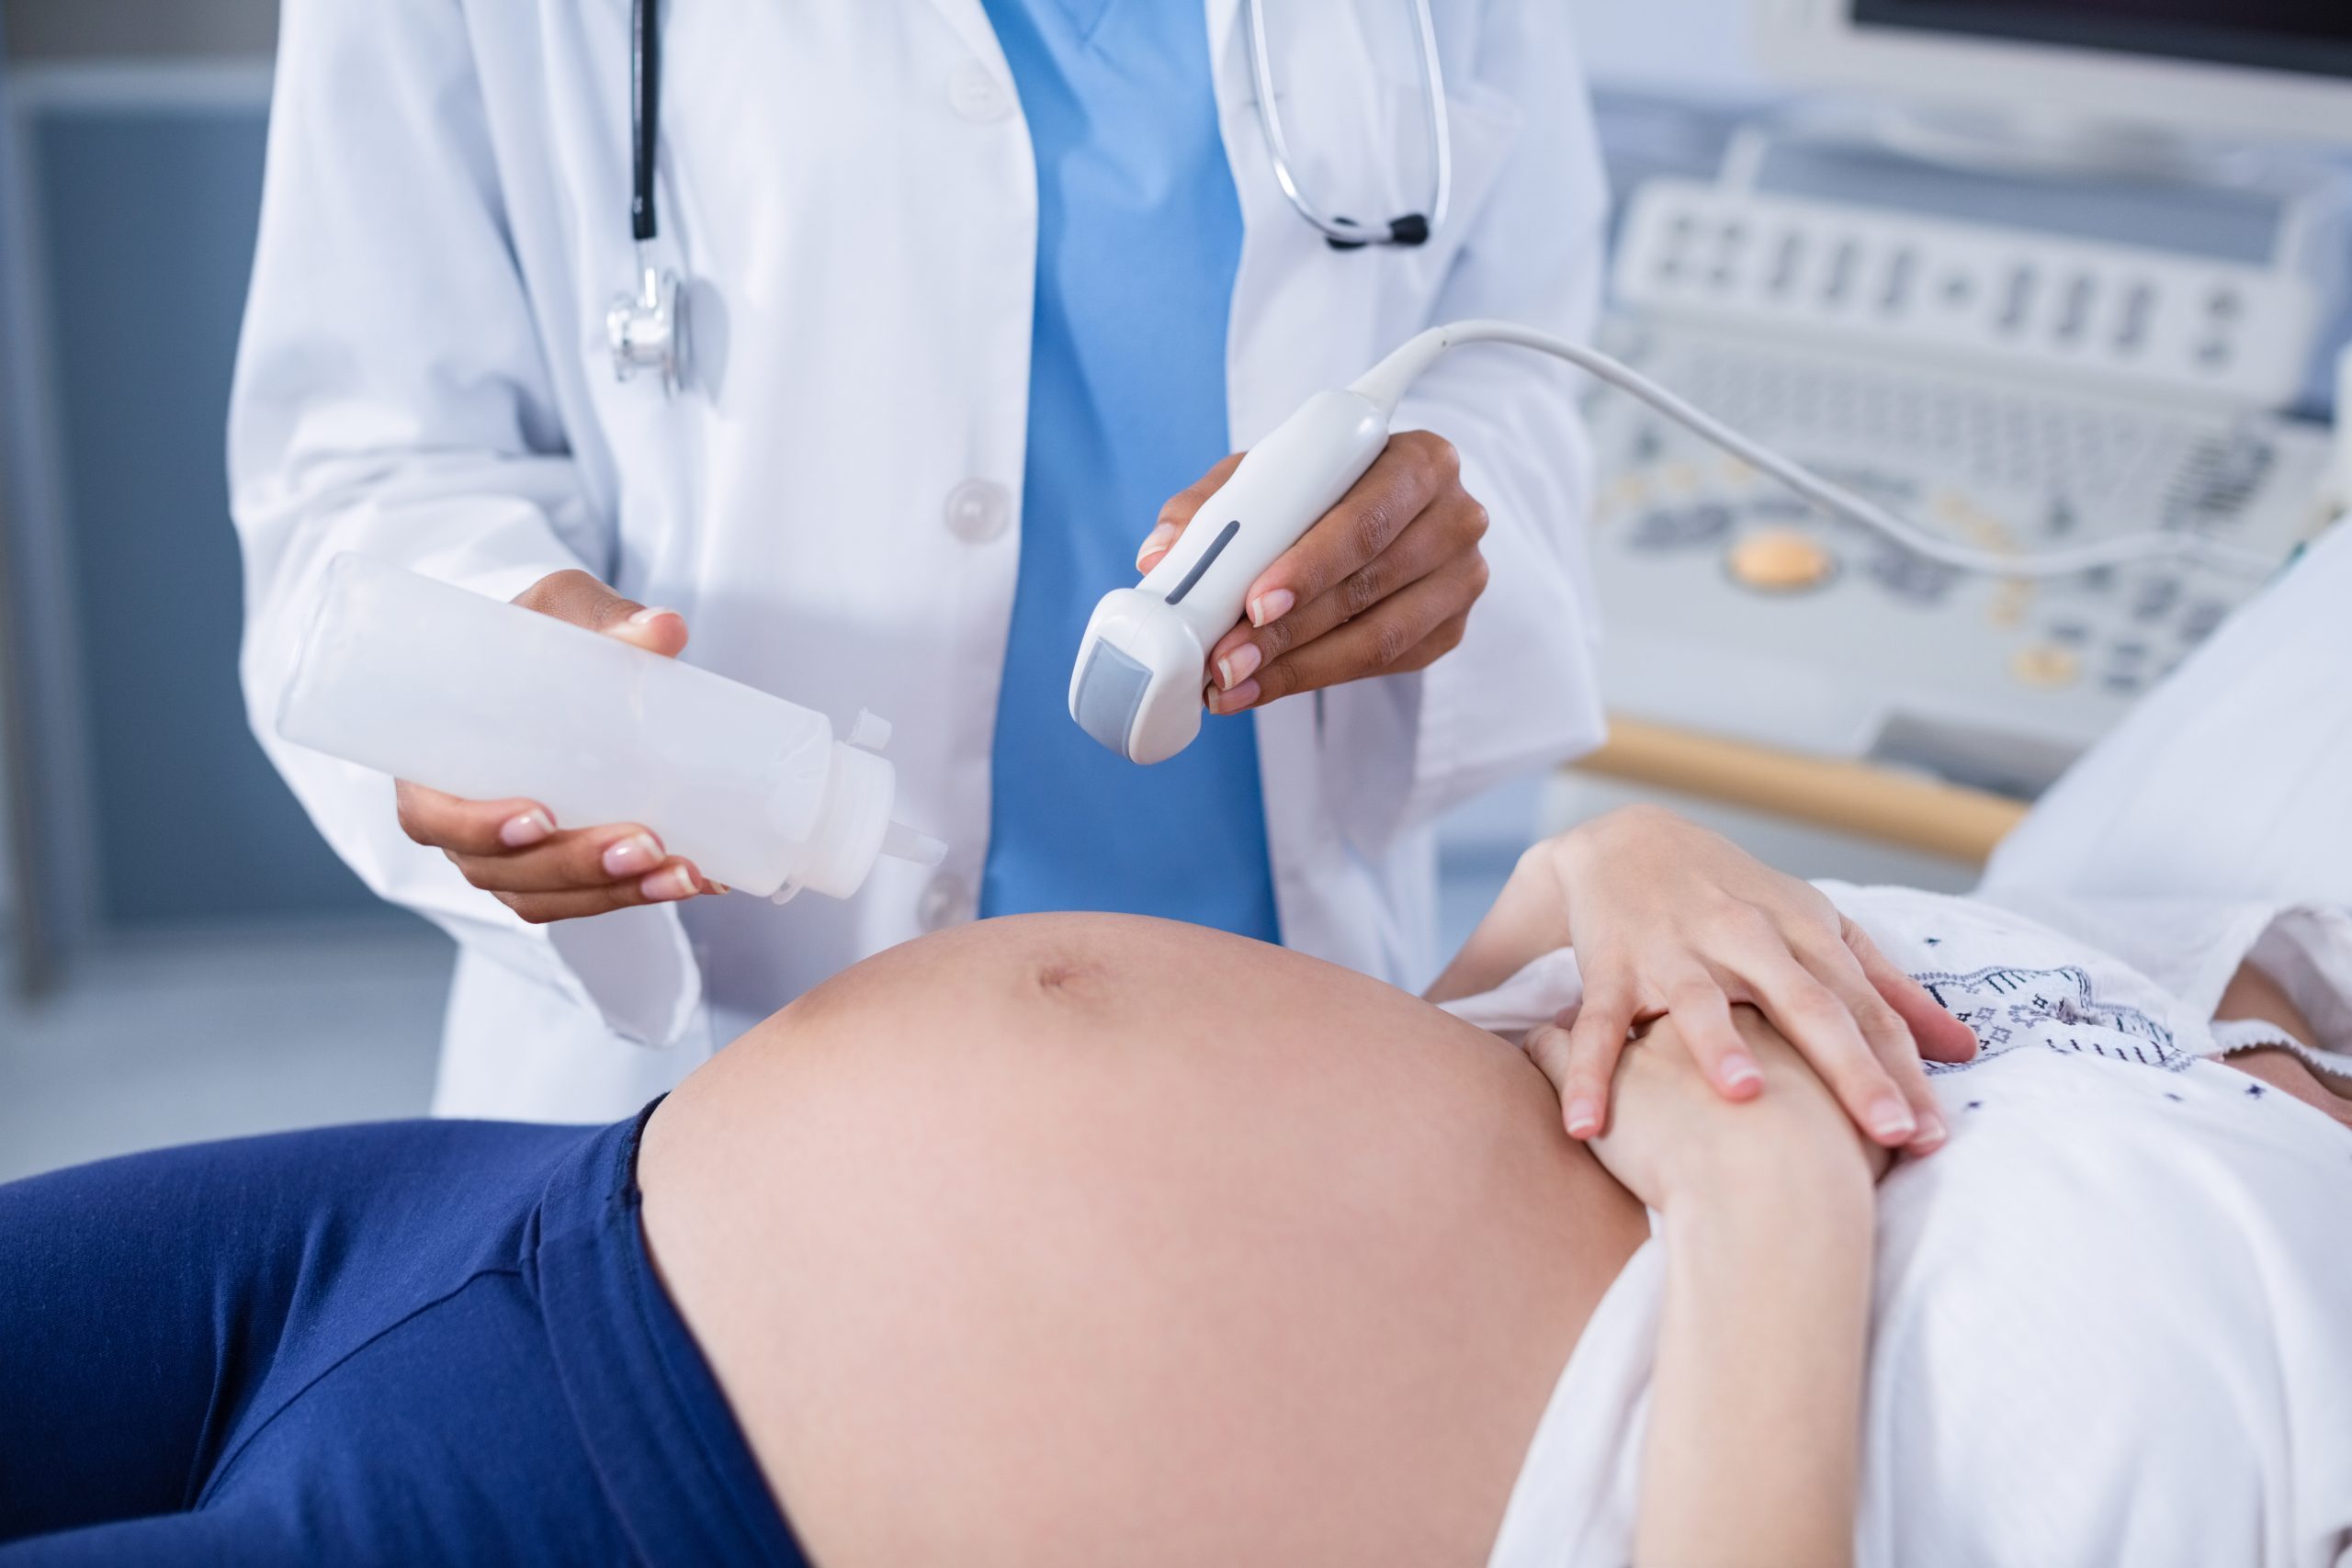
{"x":1667,"y":918}
{"x":1754,"y":1448}
{"x":1672,"y":1136}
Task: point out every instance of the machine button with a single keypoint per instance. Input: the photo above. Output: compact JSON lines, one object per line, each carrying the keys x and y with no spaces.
{"x":2017,"y":304}
{"x":1780,"y":560}
{"x":976,"y":92}
{"x":2046,"y":664}
{"x":2139,"y":307}
{"x":1843,"y":264}
{"x":2155,"y":598}
{"x":1900,"y":274}
{"x":978,"y":511}
{"x":2203,"y":619}
{"x":945,"y":901}
{"x":1669,"y":528}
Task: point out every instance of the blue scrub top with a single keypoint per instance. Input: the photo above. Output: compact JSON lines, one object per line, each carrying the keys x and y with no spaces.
{"x":1138,"y":238}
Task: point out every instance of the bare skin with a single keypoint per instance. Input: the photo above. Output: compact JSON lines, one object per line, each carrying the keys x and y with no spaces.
{"x":1115,"y":1240}
{"x":1084,"y":1238}
{"x":2255,"y":995}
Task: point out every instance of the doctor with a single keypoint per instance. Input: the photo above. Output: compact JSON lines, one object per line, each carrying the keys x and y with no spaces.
{"x":972,"y":288}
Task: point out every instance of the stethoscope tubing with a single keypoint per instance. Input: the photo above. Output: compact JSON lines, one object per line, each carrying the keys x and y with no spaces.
{"x":1345,"y":233}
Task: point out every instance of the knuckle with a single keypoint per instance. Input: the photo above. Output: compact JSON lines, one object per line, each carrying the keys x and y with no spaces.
{"x":1737,"y":920}
{"x":1434,"y":451}
{"x":1816,"y":1004}
{"x":551,"y":589}
{"x":1364,"y":589}
{"x":1815,"y":949}
{"x":1688,"y":996}
{"x":1593,"y":1052}
{"x":1391,"y":641}
{"x":1369,"y":529}
{"x":1880,"y":1022}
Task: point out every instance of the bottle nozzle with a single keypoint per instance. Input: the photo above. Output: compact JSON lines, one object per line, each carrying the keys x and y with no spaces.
{"x":902,"y":842}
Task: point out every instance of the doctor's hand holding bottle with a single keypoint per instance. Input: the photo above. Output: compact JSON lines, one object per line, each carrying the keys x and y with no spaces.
{"x":516,"y":849}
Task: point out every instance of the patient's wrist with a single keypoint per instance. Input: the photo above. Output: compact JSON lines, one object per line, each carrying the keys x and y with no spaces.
{"x":1725,"y":1186}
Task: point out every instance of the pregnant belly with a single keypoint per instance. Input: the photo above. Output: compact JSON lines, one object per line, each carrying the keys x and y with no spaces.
{"x":1084,"y":1239}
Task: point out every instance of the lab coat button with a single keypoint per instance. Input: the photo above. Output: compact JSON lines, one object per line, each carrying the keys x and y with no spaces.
{"x":979,"y":510}
{"x":945,"y":902}
{"x":976,"y":94}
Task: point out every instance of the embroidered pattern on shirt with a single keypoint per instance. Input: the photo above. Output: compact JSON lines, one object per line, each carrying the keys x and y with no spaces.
{"x":2006,"y":1007}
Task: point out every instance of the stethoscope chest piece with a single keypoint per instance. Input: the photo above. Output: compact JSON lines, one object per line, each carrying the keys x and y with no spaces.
{"x":646,"y":329}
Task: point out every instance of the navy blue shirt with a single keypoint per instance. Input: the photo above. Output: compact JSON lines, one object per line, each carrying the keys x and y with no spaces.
{"x":1138,"y":238}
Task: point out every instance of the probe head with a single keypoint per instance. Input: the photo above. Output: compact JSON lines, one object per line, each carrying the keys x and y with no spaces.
{"x":1136,"y":686}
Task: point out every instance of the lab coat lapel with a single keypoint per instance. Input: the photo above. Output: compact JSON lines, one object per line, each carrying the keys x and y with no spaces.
{"x":971,"y":25}
{"x":1223,"y":16}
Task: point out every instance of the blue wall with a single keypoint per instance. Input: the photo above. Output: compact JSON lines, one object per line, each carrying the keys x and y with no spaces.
{"x":147,"y":222}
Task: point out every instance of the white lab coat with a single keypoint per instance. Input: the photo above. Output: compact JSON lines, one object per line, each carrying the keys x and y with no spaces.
{"x":835,"y":505}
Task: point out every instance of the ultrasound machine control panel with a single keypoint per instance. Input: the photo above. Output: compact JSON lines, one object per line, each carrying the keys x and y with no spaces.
{"x":2020,"y":390}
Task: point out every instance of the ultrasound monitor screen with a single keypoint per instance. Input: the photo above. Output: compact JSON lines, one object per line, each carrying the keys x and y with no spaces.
{"x":2307,"y":37}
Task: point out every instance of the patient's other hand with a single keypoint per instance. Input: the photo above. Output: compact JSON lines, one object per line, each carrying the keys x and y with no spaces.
{"x":1669,"y":919}
{"x":1672,"y":1136}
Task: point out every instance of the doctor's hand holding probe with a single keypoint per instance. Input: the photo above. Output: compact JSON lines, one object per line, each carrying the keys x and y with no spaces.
{"x":877,"y":383}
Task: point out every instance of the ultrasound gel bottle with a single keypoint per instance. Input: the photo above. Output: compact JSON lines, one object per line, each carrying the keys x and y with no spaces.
{"x":466,"y":694}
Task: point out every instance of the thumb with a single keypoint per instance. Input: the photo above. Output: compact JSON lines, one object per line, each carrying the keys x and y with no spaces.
{"x":1177,"y":515}
{"x":580,"y":599}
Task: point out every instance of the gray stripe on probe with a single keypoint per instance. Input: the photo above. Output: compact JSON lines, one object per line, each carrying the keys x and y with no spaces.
{"x":1208,"y":559}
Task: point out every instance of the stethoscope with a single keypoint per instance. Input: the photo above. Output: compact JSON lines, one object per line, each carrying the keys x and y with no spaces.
{"x":1345,"y":233}
{"x":646,"y":327}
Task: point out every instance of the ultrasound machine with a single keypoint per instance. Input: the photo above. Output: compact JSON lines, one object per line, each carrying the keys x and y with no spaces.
{"x":2074,"y":267}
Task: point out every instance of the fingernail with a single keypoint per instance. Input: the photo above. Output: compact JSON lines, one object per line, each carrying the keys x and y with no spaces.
{"x":632,"y":855}
{"x":1584,"y":1117}
{"x":529,"y":829}
{"x":1271,"y":607}
{"x":1158,"y":540}
{"x":668,"y":884}
{"x":1890,"y":1119}
{"x":650,"y":613}
{"x":1234,"y":701}
{"x":1739,"y":1071}
{"x":1238,"y":665}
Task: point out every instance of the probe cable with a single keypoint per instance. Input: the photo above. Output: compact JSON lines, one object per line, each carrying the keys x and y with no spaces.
{"x":1386,"y":383}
